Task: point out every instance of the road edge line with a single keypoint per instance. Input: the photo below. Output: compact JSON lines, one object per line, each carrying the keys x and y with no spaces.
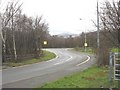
{"x":53,"y":58}
{"x":64,"y":61}
{"x":32,"y":63}
{"x":88,"y":58}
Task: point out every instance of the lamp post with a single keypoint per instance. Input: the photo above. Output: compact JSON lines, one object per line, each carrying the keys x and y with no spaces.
{"x":85,"y":44}
{"x":85,"y":41}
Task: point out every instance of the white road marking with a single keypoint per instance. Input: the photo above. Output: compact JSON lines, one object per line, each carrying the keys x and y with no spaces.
{"x":53,"y":59}
{"x":19,"y":66}
{"x":24,"y":65}
{"x":33,"y":63}
{"x":63,"y":61}
{"x":88,"y":58}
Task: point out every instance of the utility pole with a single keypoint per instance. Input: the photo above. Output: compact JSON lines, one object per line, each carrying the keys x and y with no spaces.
{"x":119,"y":23}
{"x":98,"y":36}
{"x":119,"y":33}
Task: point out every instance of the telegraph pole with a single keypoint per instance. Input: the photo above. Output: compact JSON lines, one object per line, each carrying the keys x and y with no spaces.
{"x":98,"y":36}
{"x":119,"y":24}
{"x":119,"y":32}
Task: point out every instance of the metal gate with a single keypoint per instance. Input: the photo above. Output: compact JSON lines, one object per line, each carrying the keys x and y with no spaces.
{"x":116,"y":66}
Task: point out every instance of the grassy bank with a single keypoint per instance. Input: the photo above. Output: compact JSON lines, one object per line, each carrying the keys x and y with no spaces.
{"x":88,"y":50}
{"x":46,"y":56}
{"x":91,"y":50}
{"x":94,"y":77}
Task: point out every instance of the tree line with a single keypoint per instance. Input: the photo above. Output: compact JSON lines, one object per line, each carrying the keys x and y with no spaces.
{"x":56,"y":41}
{"x":22,"y":36}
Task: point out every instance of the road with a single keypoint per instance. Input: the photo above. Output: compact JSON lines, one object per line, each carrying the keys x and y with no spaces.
{"x":34,"y":75}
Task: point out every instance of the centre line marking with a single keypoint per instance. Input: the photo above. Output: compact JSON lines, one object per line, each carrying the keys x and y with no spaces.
{"x":63,"y":61}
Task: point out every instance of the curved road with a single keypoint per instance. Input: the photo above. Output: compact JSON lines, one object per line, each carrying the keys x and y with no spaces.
{"x":30,"y":76}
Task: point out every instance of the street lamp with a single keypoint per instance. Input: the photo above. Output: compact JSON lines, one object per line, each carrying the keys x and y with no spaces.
{"x":85,"y":42}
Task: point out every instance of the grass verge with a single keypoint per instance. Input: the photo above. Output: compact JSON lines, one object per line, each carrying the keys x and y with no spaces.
{"x":88,"y":50}
{"x":46,"y":56}
{"x":115,"y":50}
{"x":94,"y":77}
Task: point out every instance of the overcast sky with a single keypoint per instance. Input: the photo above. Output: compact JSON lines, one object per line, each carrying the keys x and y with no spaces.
{"x":63,"y":16}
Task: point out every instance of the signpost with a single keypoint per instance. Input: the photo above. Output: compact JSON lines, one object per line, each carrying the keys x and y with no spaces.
{"x":85,"y":44}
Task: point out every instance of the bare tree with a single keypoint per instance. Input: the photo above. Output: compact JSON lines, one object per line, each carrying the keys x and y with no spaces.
{"x":8,"y":21}
{"x":22,"y":36}
{"x":110,"y":18}
{"x":110,"y":28}
{"x":13,"y":8}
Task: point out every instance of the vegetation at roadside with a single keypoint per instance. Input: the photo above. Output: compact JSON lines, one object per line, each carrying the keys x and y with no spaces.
{"x":88,"y":50}
{"x":94,"y":77}
{"x":21,"y":35}
{"x":46,"y":56}
{"x":115,"y":50}
{"x":91,"y":50}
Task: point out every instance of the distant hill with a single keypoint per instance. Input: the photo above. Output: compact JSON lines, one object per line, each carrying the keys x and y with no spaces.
{"x":66,"y":35}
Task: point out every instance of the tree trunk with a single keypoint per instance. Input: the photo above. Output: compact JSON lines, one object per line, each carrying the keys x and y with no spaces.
{"x":3,"y":42}
{"x":13,"y":30}
{"x":14,"y":48}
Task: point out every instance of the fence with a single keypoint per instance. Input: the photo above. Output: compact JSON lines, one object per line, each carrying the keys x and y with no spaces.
{"x":116,"y":66}
{"x":114,"y":60}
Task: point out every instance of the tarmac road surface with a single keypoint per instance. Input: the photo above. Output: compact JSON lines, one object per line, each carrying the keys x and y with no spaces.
{"x":34,"y":75}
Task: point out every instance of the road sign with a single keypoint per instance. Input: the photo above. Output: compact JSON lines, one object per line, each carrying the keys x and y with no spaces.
{"x":45,"y":42}
{"x":85,"y":44}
